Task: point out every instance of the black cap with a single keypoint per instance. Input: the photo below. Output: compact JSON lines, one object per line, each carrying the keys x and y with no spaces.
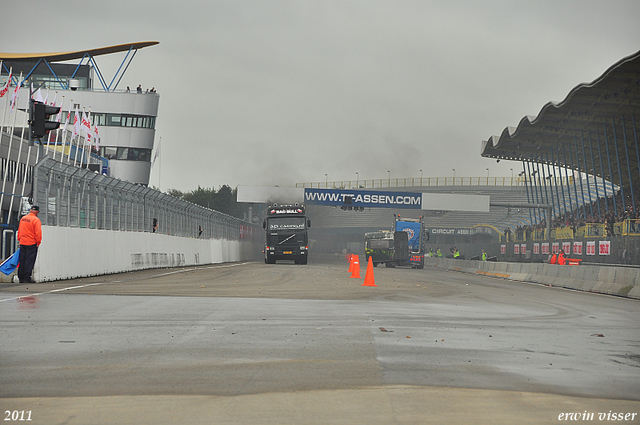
{"x":35,"y":207}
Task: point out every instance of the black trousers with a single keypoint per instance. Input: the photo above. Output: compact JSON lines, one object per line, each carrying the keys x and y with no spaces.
{"x":28,"y":256}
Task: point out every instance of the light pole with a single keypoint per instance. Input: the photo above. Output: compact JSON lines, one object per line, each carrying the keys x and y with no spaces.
{"x":389,"y":173}
{"x":454,"y":176}
{"x":487,"y":176}
{"x":357,"y":180}
{"x":326,"y":181}
{"x":420,"y":177}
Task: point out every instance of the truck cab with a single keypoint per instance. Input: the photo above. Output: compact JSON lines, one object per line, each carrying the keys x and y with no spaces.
{"x":286,"y":234}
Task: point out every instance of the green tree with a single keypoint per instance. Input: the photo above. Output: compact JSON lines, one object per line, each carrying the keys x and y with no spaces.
{"x":224,"y":200}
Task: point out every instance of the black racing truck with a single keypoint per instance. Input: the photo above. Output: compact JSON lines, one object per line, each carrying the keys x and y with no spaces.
{"x":286,"y":234}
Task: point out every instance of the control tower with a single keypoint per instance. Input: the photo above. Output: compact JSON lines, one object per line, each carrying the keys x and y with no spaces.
{"x":126,"y":117}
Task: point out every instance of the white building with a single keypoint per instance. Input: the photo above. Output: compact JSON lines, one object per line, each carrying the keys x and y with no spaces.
{"x":126,"y":118}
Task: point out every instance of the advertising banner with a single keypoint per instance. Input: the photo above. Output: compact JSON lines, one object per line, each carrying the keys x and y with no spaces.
{"x":545,"y":248}
{"x":577,"y":248}
{"x":362,"y":198}
{"x":591,"y":247}
{"x":605,"y":248}
{"x":536,"y":248}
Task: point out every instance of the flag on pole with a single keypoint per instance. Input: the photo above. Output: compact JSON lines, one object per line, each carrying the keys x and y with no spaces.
{"x":76,"y":124}
{"x":86,"y":127}
{"x":96,"y":137}
{"x":5,"y":89}
{"x":14,"y":98}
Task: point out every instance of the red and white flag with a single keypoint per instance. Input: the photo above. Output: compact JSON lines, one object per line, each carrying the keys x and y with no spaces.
{"x":86,"y":127}
{"x":5,"y":89}
{"x":96,"y":137}
{"x":76,"y":124}
{"x":14,"y":96}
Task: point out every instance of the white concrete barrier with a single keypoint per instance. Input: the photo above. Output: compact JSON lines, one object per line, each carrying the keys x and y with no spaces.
{"x":67,"y":253}
{"x":621,"y":281}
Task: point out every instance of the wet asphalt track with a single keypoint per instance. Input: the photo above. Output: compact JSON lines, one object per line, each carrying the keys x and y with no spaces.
{"x":256,"y":330}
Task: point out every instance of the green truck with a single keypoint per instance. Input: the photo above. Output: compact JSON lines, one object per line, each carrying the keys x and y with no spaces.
{"x":403,"y":246}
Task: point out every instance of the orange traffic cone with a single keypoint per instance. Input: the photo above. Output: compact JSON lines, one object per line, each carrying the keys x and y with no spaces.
{"x":368,"y":277}
{"x":355,"y":272}
{"x":351,"y":258}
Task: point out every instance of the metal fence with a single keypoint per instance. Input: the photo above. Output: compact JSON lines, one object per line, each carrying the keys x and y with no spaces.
{"x":430,"y":181}
{"x":69,"y":196}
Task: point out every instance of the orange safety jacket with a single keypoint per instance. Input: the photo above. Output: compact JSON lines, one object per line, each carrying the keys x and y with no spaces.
{"x":30,"y":230}
{"x":561,"y":260}
{"x":553,"y":259}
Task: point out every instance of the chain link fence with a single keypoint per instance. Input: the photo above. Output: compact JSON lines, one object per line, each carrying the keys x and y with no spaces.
{"x":69,"y":196}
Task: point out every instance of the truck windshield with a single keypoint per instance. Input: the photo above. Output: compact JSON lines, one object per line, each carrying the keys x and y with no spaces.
{"x":286,"y":223}
{"x":379,"y":244}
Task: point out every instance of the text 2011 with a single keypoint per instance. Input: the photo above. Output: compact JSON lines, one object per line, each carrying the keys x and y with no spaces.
{"x":17,"y":415}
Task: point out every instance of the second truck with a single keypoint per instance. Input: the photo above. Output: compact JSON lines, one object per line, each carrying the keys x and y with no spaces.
{"x":401,"y":246}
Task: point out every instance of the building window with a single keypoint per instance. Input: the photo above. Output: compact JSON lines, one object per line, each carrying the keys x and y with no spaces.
{"x":108,"y":152}
{"x":116,"y":120}
{"x":126,"y":154}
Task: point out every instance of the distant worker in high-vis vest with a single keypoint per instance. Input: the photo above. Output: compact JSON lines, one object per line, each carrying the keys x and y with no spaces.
{"x":484,"y":255}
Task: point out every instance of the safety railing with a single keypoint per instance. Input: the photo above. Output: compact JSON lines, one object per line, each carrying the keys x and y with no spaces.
{"x":69,"y":196}
{"x":630,"y":227}
{"x":428,"y":182}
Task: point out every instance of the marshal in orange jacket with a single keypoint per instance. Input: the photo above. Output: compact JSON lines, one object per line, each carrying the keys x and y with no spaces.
{"x":30,"y":230}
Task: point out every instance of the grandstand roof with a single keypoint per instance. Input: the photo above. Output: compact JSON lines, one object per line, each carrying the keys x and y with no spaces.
{"x":589,"y":107}
{"x":78,"y":54}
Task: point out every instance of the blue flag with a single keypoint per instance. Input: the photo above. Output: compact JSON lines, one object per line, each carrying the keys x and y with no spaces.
{"x":10,"y":264}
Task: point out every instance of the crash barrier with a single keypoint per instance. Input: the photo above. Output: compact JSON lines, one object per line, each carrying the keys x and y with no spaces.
{"x":67,"y":252}
{"x":612,"y":280}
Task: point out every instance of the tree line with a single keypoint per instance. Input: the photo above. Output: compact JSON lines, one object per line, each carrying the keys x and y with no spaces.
{"x":224,"y":200}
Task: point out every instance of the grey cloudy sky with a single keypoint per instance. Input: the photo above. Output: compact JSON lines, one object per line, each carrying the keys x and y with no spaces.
{"x":279,"y":92}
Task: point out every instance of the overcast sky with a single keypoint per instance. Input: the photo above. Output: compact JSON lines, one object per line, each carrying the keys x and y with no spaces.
{"x":281,"y":92}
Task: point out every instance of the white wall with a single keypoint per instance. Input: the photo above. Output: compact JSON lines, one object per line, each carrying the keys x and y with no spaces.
{"x":67,"y":253}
